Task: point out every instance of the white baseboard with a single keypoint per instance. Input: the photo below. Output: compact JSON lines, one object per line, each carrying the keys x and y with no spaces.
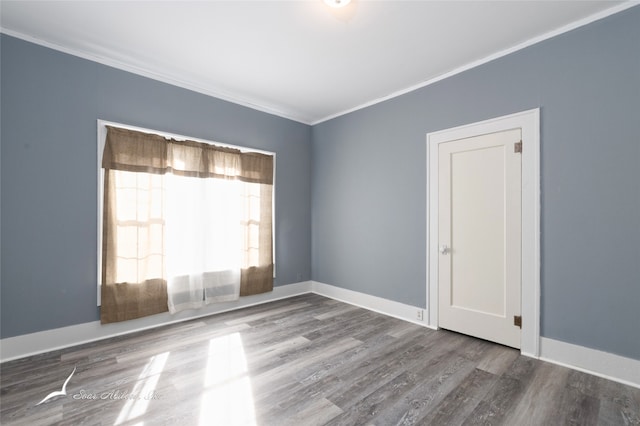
{"x":592,"y":361}
{"x":45,"y":341}
{"x":377,"y":304}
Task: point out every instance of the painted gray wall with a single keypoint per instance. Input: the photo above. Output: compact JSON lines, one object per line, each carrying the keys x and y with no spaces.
{"x":369,"y":180}
{"x":366,"y":172}
{"x":50,"y":104}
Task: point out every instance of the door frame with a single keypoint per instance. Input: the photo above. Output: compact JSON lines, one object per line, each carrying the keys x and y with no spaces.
{"x":529,"y":122}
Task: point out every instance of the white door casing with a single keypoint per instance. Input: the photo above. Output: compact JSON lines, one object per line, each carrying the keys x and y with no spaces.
{"x":529,"y":124}
{"x":479,"y":236}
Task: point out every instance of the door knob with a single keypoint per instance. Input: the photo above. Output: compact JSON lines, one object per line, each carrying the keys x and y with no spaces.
{"x":444,"y":249}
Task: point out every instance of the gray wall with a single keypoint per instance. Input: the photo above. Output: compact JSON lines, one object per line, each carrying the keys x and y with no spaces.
{"x":355,"y":183}
{"x":50,"y":104}
{"x":369,"y":180}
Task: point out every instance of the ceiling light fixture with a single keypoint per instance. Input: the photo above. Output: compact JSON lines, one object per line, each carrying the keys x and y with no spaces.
{"x":337,"y":3}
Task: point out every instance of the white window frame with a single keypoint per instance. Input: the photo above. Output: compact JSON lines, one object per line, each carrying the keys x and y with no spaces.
{"x":102,"y":137}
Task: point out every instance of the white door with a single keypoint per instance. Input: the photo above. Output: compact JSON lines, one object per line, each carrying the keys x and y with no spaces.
{"x":479,"y":231}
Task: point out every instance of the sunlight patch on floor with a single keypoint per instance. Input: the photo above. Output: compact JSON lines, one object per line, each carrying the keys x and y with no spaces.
{"x":227,"y":397}
{"x":143,"y":390}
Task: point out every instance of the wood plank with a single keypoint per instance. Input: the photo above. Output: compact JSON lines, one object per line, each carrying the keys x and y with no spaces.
{"x":497,"y":359}
{"x":456,"y":407}
{"x":330,"y":378}
{"x":416,"y":404}
{"x":506,"y":393}
{"x":537,"y":403}
{"x":317,"y":412}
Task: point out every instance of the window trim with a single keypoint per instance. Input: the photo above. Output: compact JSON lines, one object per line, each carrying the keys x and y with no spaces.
{"x":101,"y":140}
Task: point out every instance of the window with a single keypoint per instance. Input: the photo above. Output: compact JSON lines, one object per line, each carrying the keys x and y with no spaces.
{"x":183,"y":223}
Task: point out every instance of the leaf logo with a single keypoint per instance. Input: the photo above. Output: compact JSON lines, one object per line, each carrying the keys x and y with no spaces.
{"x":61,"y":392}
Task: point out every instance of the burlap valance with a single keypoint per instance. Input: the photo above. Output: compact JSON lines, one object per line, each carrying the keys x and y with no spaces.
{"x":133,"y":151}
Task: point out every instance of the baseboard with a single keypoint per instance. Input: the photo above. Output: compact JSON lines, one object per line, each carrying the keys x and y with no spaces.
{"x":592,"y":361}
{"x":373,"y":303}
{"x":45,"y":341}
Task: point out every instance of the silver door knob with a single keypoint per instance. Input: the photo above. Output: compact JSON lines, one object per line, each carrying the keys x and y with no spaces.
{"x":444,"y":249}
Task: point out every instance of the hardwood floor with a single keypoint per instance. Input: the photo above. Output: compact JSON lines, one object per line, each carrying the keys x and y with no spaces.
{"x":306,"y":360}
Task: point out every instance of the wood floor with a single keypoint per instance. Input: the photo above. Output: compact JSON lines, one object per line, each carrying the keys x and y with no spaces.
{"x":307,"y":360}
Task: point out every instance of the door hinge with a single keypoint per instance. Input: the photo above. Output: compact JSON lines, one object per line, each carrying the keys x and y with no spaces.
{"x":517,"y":147}
{"x":517,"y":321}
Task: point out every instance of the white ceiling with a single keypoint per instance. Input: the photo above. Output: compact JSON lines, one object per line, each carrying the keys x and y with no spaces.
{"x":297,"y":59}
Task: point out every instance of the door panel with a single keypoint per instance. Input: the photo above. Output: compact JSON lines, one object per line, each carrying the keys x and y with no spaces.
{"x":480,"y":236}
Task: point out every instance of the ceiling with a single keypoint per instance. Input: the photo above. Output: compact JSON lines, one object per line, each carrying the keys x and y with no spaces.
{"x":296,"y":59}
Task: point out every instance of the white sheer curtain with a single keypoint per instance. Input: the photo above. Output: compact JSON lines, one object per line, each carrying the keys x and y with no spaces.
{"x":203,"y":241}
